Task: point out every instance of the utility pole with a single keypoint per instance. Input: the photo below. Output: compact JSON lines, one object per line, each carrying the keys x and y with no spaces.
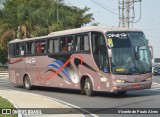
{"x":123,"y":18}
{"x":126,"y":7}
{"x":127,"y":13}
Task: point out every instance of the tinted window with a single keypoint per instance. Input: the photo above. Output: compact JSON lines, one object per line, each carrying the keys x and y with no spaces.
{"x":84,"y":42}
{"x":41,"y":47}
{"x":97,"y":41}
{"x":70,"y":43}
{"x":66,"y":44}
{"x":30,"y":48}
{"x":11,"y":50}
{"x":77,"y":42}
{"x":63,"y":44}
{"x":53,"y":46}
{"x":19,"y":49}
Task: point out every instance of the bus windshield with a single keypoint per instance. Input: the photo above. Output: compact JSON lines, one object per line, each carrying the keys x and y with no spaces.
{"x":130,"y":53}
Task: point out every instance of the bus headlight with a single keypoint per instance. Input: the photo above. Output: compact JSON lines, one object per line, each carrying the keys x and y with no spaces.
{"x":148,"y":79}
{"x":120,"y":81}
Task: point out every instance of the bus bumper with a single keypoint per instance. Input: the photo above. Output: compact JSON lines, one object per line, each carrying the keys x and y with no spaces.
{"x":131,"y":86}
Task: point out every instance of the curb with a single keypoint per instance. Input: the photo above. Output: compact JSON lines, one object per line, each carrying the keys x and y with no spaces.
{"x":47,"y":98}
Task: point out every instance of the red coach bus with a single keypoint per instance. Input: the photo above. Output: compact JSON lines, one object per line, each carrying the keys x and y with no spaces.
{"x":90,"y":59}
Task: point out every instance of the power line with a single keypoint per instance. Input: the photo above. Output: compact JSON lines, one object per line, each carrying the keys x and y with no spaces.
{"x":104,"y":7}
{"x":152,"y":29}
{"x":128,"y":5}
{"x":139,"y":16}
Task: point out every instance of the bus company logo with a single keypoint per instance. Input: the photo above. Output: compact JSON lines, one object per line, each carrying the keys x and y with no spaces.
{"x":31,"y":60}
{"x":57,"y":67}
{"x":118,"y":35}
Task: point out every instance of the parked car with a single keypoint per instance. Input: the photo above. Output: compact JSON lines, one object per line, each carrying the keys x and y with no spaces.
{"x":156,"y":71}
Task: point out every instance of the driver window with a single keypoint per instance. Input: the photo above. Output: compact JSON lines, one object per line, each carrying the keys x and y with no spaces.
{"x":104,"y":64}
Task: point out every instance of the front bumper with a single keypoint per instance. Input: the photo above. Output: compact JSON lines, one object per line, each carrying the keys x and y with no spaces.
{"x":131,"y":86}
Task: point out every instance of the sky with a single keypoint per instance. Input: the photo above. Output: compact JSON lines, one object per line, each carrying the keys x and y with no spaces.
{"x":149,"y":22}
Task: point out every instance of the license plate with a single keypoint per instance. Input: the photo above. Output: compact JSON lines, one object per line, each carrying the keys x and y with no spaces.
{"x":136,"y":86}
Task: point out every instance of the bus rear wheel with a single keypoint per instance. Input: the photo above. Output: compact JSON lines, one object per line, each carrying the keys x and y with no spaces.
{"x":27,"y":83}
{"x":88,"y":87}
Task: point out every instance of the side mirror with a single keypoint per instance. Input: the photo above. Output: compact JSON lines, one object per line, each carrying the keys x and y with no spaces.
{"x":151,"y":51}
{"x":109,"y":51}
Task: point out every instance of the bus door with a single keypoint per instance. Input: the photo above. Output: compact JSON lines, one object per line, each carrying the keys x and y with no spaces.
{"x":104,"y":65}
{"x":20,"y":62}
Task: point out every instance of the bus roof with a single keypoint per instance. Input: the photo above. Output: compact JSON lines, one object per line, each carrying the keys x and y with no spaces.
{"x":78,"y":30}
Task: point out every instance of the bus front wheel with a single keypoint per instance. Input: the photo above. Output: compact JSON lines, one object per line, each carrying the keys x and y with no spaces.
{"x":88,"y":87}
{"x":27,"y":83}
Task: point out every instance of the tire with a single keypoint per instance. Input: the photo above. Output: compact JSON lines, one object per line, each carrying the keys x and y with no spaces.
{"x":122,"y":92}
{"x":88,"y":87}
{"x":83,"y":91}
{"x":27,"y":83}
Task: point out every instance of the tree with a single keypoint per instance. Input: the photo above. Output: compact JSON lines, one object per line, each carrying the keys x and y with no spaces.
{"x":3,"y":56}
{"x":31,"y":18}
{"x":28,"y":18}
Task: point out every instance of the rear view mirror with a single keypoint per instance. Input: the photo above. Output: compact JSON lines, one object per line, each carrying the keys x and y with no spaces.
{"x":151,"y":51}
{"x":109,"y":50}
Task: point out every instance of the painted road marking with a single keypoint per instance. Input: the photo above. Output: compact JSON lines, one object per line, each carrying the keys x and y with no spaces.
{"x":3,"y":78}
{"x":154,"y":89}
{"x":4,"y":82}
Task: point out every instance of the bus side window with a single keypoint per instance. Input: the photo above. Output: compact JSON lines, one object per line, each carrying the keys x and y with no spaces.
{"x":56,"y":46}
{"x":70,"y":43}
{"x":104,"y":64}
{"x":30,"y":48}
{"x":38,"y":47}
{"x":20,"y":49}
{"x":11,"y":50}
{"x":77,"y":42}
{"x":97,"y":41}
{"x":53,"y":46}
{"x":17,"y":49}
{"x":84,"y":42}
{"x":50,"y":46}
{"x":43,"y":46}
{"x":63,"y":44}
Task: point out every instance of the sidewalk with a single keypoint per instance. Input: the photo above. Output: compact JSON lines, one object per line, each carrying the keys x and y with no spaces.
{"x":31,"y":101}
{"x":28,"y":100}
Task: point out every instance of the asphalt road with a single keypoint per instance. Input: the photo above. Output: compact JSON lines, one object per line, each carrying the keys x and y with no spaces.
{"x":149,"y":98}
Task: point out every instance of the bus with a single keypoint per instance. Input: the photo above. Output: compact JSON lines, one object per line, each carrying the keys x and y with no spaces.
{"x":90,"y":59}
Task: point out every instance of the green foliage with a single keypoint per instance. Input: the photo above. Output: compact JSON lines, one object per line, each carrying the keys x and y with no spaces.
{"x":45,"y":14}
{"x":6,"y":104}
{"x":31,"y":18}
{"x":3,"y":56}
